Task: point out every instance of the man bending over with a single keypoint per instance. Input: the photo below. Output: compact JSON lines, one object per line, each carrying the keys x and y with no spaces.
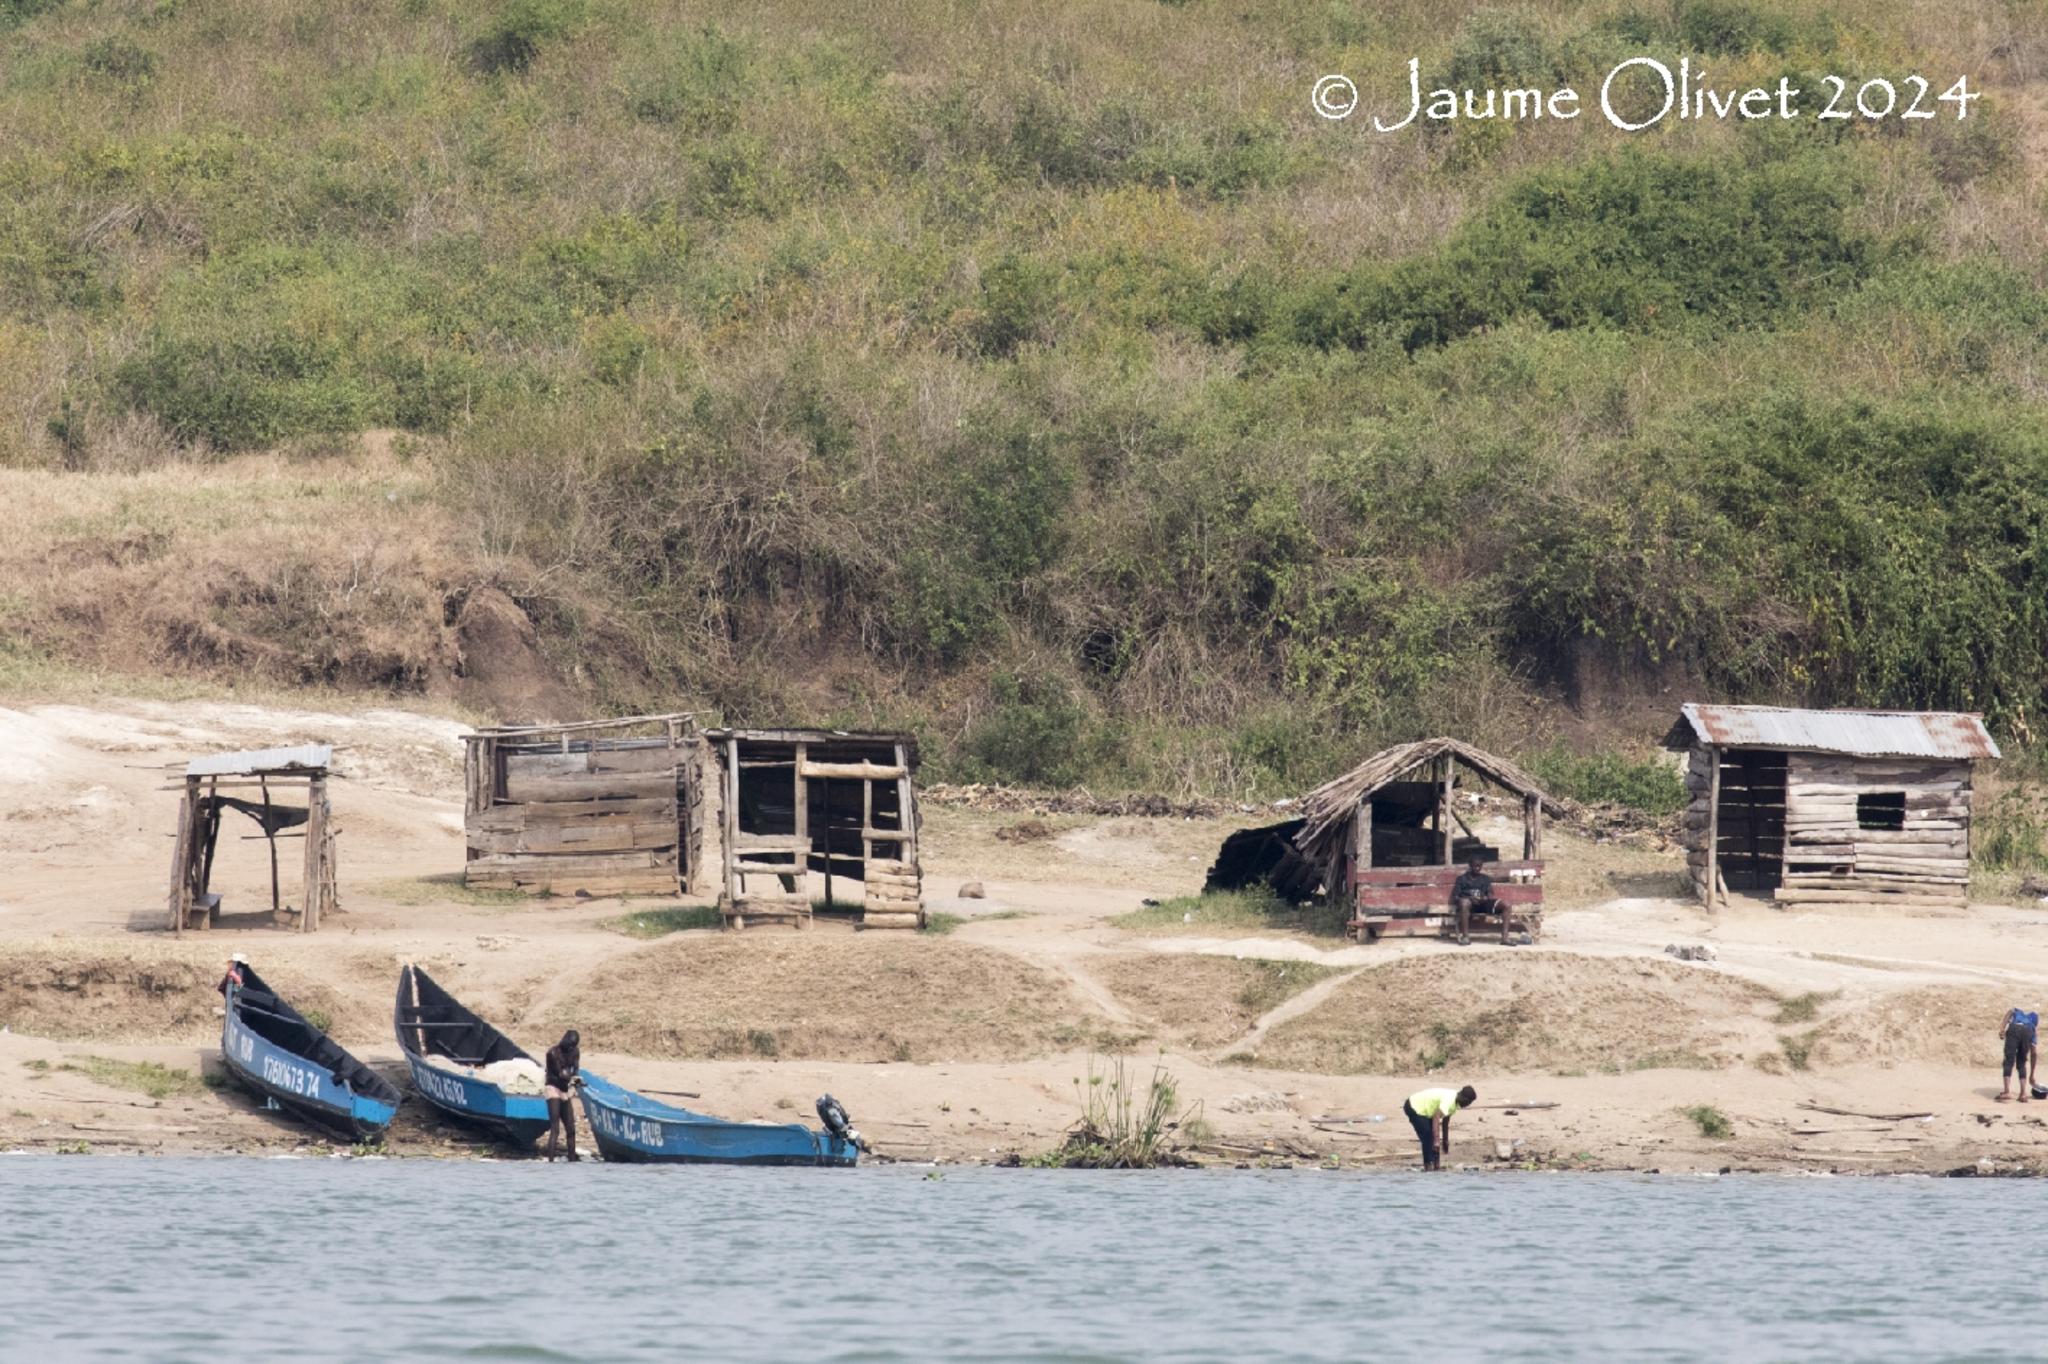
{"x":1429,"y":1113}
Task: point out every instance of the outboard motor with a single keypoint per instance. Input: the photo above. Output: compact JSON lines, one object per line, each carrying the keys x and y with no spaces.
{"x":838,"y":1124}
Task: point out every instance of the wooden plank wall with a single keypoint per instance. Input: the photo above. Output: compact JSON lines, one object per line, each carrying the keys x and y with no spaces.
{"x":1830,"y":857}
{"x":605,"y":817}
{"x":1694,"y":826}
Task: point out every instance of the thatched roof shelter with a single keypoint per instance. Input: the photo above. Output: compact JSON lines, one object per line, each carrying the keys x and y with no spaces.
{"x":1329,"y":811}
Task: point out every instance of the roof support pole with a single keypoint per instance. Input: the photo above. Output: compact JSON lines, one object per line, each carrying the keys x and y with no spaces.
{"x":1713,"y":884}
{"x":1443,"y":810}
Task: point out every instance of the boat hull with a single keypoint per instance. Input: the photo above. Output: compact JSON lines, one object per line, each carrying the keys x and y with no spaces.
{"x":629,"y":1128}
{"x":299,"y":1086}
{"x":518,"y":1118}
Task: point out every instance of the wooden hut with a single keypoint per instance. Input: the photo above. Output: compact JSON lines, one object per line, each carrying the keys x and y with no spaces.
{"x":1387,"y":835}
{"x":608,"y":807}
{"x":1829,"y":805}
{"x":249,"y":783}
{"x":799,"y":801}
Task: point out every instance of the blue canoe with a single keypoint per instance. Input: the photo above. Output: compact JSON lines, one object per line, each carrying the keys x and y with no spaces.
{"x":272,"y":1050}
{"x":430,"y":1022}
{"x":633,"y":1127}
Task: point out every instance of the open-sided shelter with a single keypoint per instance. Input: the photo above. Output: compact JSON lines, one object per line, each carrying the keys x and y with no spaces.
{"x":1390,"y":839}
{"x":799,"y":801}
{"x":609,"y":807}
{"x":249,"y":783}
{"x":1829,"y":805}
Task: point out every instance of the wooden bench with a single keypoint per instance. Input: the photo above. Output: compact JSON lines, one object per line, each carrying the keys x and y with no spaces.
{"x":1401,"y":902}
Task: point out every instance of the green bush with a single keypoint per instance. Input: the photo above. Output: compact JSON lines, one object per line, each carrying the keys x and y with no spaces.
{"x":1038,"y":734}
{"x":518,"y":30}
{"x":1640,"y":242}
{"x":1649,"y":785}
{"x":2011,"y":832}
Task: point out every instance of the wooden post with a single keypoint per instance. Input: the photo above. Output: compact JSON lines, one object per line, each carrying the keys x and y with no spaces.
{"x":1529,"y":808}
{"x":1713,"y":823}
{"x":1444,"y":811}
{"x":730,"y":820}
{"x":316,"y":855}
{"x":269,"y":836}
{"x":906,"y":816}
{"x":867,"y":822}
{"x":1361,"y":857}
{"x":181,"y":858}
{"x":803,"y":830}
{"x":1533,"y":837}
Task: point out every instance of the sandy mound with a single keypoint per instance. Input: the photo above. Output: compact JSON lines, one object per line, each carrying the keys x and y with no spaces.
{"x":1526,"y":1011}
{"x":1954,"y":1025}
{"x":166,"y":994}
{"x":870,"y":997}
{"x":1202,"y":1001}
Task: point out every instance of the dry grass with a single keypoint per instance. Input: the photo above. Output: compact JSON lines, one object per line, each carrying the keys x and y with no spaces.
{"x":166,"y":993}
{"x":1203,"y":1001}
{"x":1524,"y":1012}
{"x":820,"y":996}
{"x":264,"y":568}
{"x":1952,"y":1025}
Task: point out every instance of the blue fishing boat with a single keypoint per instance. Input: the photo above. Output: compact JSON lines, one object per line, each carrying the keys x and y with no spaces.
{"x":464,"y":1066}
{"x":633,"y":1127}
{"x":272,"y":1050}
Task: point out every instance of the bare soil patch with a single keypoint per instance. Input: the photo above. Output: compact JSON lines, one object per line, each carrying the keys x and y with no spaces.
{"x":1495,"y":1012}
{"x":1954,"y":1025}
{"x":161,"y":994}
{"x":1199,"y":1001}
{"x":825,"y":996}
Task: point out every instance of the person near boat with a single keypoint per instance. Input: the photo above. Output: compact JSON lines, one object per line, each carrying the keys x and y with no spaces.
{"x":1429,"y":1113}
{"x":2020,"y":1031}
{"x":564,"y":1062}
{"x":234,"y":975}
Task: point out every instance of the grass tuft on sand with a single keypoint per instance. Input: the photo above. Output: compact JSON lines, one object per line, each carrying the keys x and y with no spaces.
{"x":1254,"y":910}
{"x":144,"y":1077}
{"x":659,"y":923}
{"x":1711,"y":1121}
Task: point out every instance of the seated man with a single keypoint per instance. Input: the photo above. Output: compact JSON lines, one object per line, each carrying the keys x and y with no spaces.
{"x":1473,"y":894}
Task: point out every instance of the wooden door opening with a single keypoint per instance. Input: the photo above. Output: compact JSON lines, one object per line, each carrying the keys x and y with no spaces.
{"x":1750,"y":848}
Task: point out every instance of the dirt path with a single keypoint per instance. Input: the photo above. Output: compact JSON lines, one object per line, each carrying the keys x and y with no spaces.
{"x":1307,"y":1001}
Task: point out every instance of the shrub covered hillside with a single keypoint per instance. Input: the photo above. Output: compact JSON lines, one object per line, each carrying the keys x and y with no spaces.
{"x":1045,"y":375}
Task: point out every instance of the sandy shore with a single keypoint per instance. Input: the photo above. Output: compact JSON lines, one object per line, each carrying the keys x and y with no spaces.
{"x":1851,"y":1041}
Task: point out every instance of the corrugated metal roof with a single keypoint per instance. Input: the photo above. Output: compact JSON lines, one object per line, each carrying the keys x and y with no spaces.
{"x":1863,"y":733}
{"x":261,"y":761}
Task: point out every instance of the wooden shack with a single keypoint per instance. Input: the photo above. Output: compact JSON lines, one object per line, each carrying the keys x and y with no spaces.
{"x":1818,"y":806}
{"x":1390,"y":839}
{"x":799,"y":802}
{"x":608,"y":807}
{"x":249,"y":783}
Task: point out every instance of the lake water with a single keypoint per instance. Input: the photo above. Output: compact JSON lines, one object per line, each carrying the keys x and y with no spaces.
{"x":204,"y":1259}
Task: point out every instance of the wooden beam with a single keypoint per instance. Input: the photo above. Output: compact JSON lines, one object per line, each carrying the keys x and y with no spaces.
{"x":1713,"y":823}
{"x":851,"y":771}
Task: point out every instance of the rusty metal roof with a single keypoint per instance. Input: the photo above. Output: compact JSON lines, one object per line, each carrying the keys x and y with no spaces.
{"x":262,"y":762}
{"x":1862,"y":733}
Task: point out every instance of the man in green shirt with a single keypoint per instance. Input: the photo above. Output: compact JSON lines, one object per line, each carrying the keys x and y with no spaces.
{"x":1429,"y":1113}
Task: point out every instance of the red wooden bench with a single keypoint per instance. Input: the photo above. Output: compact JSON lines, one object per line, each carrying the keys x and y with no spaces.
{"x":1405,"y":902}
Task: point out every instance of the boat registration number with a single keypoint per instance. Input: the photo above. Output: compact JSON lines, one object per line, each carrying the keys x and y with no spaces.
{"x":625,"y":1127}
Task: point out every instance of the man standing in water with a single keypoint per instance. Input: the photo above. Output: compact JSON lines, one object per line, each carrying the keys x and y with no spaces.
{"x":1429,"y":1113}
{"x":2022,"y":1053}
{"x":564,"y":1060}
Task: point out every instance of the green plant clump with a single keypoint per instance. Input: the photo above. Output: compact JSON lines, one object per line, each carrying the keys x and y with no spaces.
{"x":1712,"y":1122}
